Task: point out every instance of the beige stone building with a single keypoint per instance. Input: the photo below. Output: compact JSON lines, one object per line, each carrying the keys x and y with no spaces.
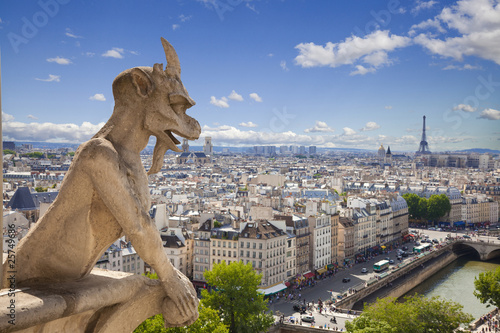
{"x":264,"y":246}
{"x":201,"y":252}
{"x":320,"y":251}
{"x":299,"y":226}
{"x":224,"y":245}
{"x":335,"y":235}
{"x":346,"y":236}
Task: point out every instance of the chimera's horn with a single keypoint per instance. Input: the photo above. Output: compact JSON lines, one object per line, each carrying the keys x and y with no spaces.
{"x":173,"y":65}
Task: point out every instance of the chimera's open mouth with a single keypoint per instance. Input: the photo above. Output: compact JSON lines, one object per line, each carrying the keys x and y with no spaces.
{"x":172,"y":137}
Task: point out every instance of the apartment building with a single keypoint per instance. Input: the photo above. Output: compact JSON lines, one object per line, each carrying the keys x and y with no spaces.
{"x":264,"y":246}
{"x":346,"y":239}
{"x":299,"y":226}
{"x":320,"y":251}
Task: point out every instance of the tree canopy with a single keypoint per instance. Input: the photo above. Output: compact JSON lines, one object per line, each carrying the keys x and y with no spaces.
{"x":416,"y":314}
{"x":433,"y":208}
{"x":438,"y":206}
{"x":487,"y":286}
{"x":234,"y":295}
{"x":207,"y":322}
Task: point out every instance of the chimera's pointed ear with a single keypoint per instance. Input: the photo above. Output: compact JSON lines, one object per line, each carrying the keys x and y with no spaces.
{"x":142,"y":82}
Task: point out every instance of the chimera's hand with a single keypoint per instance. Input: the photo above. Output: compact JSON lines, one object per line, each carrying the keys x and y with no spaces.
{"x":180,"y":307}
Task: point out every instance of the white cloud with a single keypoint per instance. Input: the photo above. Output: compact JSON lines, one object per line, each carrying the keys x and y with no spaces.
{"x":175,"y":26}
{"x":283,"y":65}
{"x":371,"y":49}
{"x":51,"y":78}
{"x":255,"y":97}
{"x":423,"y":5}
{"x":59,"y":60}
{"x":464,"y":107}
{"x":370,"y":126}
{"x":70,"y":33}
{"x":221,"y":103}
{"x":388,"y":107}
{"x":98,"y":97}
{"x":490,"y":114}
{"x":248,"y":124}
{"x":50,"y":132}
{"x":476,"y":29}
{"x":252,"y":8}
{"x":235,"y":96}
{"x":361,"y":70}
{"x":184,"y":18}
{"x":430,"y":23}
{"x":270,"y":55}
{"x":7,"y":117}
{"x":320,"y":126}
{"x":89,"y":54}
{"x":32,"y":117}
{"x":115,"y":52}
{"x":461,"y":68}
{"x":349,"y":131}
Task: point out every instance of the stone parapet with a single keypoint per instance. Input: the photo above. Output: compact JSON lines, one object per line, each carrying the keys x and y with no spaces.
{"x":103,"y":302}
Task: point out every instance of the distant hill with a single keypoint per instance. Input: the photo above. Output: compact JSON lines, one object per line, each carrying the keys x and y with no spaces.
{"x":479,"y":151}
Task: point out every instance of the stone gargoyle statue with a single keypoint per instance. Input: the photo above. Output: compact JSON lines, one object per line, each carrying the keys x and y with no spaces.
{"x":105,"y":192}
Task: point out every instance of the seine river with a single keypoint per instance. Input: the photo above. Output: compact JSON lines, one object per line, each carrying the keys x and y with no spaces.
{"x":455,"y":282}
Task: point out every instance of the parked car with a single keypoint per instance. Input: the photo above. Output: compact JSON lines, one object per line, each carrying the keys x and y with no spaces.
{"x":404,"y":254}
{"x":391,"y":262}
{"x":301,"y":309}
{"x":364,"y":270}
{"x":466,"y":236}
{"x":405,"y":248}
{"x":432,"y":228}
{"x":346,"y":279}
{"x":308,"y":319}
{"x":417,"y":243}
{"x":439,"y":229}
{"x":435,"y":241}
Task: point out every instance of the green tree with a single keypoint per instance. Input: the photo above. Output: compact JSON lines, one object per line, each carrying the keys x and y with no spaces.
{"x":412,"y":202}
{"x":422,"y":208}
{"x":8,"y":151}
{"x":417,"y":314}
{"x":40,"y":189}
{"x":236,"y":298}
{"x":487,"y":286}
{"x":438,"y":206}
{"x":208,"y":321}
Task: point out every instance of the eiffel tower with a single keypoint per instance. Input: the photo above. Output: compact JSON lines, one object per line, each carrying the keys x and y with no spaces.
{"x":424,"y":147}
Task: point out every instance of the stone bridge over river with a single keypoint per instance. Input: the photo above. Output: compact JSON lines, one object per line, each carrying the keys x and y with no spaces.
{"x":484,"y":250}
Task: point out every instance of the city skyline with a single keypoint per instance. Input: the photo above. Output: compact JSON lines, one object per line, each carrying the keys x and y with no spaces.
{"x":333,"y":75}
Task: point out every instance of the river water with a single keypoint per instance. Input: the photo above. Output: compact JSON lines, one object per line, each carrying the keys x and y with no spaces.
{"x":455,"y":282}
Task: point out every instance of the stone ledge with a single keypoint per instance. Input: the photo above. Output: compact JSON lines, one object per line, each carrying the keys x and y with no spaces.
{"x":105,"y":301}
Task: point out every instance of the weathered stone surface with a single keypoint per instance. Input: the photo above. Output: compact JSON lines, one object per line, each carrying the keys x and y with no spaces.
{"x":105,"y":301}
{"x":105,"y":193}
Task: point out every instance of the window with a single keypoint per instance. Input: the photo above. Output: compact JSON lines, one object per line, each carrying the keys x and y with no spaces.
{"x":248,"y":254}
{"x":260,"y":246}
{"x":223,"y":244}
{"x":254,"y":245}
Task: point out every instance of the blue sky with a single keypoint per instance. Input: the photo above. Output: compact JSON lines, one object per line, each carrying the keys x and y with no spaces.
{"x":347,"y":74}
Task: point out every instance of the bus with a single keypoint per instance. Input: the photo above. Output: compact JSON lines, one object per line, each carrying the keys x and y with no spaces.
{"x":422,"y":248}
{"x":381,"y":265}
